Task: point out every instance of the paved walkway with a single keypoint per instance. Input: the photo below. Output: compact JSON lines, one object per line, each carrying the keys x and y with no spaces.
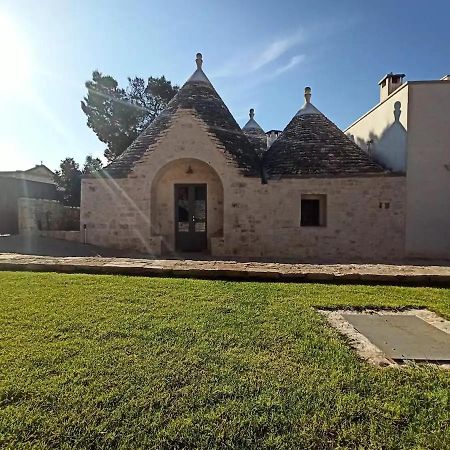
{"x":355,"y":273}
{"x":36,"y":245}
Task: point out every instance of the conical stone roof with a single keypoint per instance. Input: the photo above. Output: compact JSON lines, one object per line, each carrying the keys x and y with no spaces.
{"x":312,"y":145}
{"x":196,"y":94}
{"x":255,"y":133}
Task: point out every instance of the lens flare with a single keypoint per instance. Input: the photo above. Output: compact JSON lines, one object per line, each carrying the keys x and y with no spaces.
{"x":16,"y":67}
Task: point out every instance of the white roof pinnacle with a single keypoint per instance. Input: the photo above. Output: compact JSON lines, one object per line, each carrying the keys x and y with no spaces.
{"x":252,"y":124}
{"x":199,"y":75}
{"x":308,"y":107}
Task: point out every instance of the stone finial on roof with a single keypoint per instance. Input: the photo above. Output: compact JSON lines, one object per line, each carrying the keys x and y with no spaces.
{"x":197,"y":95}
{"x":199,"y":75}
{"x":199,"y":60}
{"x":255,"y":133}
{"x":308,"y":107}
{"x":252,"y":124}
{"x":308,"y":94}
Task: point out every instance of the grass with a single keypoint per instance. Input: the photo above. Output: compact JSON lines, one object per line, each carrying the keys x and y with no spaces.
{"x":126,"y":362}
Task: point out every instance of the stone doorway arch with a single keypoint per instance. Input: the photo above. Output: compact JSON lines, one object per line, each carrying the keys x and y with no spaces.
{"x":185,"y":171}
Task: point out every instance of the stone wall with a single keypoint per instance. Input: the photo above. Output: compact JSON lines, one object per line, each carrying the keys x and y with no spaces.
{"x":117,"y":212}
{"x":11,"y":189}
{"x":38,"y":215}
{"x":364,"y":219}
{"x":245,"y":217}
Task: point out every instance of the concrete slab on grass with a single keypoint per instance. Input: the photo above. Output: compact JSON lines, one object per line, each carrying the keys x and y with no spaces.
{"x":392,"y":337}
{"x":403,"y":337}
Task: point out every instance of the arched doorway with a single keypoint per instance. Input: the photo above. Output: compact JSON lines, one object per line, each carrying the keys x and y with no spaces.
{"x":186,"y":206}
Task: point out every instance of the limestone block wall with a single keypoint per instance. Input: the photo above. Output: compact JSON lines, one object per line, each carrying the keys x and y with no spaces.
{"x":116,"y":214}
{"x":137,"y":212}
{"x":245,"y":217}
{"x":36,"y":215}
{"x":264,"y":220}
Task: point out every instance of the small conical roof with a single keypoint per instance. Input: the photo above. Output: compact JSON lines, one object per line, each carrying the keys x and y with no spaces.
{"x":255,"y":133}
{"x":252,"y":125}
{"x":199,"y":95}
{"x":312,"y":145}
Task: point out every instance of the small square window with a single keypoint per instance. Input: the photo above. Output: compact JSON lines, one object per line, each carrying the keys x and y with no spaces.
{"x":313,"y":210}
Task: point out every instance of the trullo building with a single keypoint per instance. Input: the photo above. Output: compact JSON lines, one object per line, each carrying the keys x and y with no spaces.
{"x":194,"y":181}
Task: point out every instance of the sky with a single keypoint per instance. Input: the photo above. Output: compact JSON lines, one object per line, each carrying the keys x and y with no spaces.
{"x":258,"y":54}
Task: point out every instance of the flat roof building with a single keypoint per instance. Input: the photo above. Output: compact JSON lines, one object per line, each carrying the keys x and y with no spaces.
{"x":408,"y":132}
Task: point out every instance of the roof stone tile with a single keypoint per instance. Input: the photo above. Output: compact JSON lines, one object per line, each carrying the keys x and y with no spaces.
{"x":199,"y":95}
{"x":312,"y":145}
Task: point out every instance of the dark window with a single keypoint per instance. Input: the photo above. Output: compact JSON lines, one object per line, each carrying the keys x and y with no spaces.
{"x":310,"y":215}
{"x":313,"y":210}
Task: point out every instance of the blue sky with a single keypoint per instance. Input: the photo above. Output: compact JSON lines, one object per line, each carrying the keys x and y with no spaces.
{"x":258,"y":54}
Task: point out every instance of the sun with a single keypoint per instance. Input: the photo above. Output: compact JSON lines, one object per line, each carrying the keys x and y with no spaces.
{"x":16,"y":67}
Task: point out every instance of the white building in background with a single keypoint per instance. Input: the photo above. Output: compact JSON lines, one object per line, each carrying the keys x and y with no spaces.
{"x":409,"y":131}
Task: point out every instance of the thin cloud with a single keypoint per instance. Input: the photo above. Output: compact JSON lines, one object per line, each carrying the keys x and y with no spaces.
{"x":247,"y":84}
{"x":276,"y":49}
{"x":282,"y":69}
{"x":252,"y":60}
{"x":294,"y":61}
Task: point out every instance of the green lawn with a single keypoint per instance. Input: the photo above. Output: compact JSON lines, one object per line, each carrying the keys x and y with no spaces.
{"x":125,"y":362}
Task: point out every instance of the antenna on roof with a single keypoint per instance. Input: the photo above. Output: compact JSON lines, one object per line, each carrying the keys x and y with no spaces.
{"x":251,"y":113}
{"x":308,"y":94}
{"x":199,"y":60}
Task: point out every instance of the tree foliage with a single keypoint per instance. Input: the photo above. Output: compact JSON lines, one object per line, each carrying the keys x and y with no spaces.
{"x":68,"y":181}
{"x":68,"y":178}
{"x":92,"y":165}
{"x":118,"y":116}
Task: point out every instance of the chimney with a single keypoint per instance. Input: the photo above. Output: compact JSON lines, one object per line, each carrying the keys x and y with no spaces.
{"x":389,"y":83}
{"x":272,"y":136}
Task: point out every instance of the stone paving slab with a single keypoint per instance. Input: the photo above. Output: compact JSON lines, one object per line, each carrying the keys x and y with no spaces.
{"x":367,"y":349}
{"x":336,"y":273}
{"x":403,"y":336}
